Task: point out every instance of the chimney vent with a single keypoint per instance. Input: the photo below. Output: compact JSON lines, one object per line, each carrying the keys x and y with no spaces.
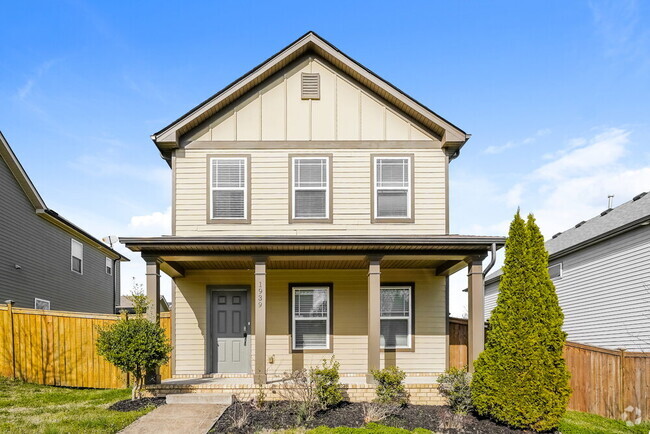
{"x":610,"y":201}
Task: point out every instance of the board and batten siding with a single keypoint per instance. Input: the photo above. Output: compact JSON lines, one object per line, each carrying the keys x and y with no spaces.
{"x":349,"y":319}
{"x":604,"y":292}
{"x":42,"y":251}
{"x":270,"y":194}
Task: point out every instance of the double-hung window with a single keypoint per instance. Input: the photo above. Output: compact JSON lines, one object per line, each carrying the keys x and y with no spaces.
{"x":228,"y":188}
{"x":392,"y":187}
{"x":76,"y":256}
{"x":396,"y":317}
{"x":109,"y":266}
{"x":311,"y":318}
{"x":310,"y":188}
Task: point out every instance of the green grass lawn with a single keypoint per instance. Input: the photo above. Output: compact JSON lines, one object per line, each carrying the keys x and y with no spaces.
{"x":575,"y":422}
{"x":44,"y":409}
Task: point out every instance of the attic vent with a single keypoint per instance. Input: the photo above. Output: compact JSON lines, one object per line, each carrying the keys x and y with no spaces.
{"x":310,"y":88}
{"x":581,"y":223}
{"x":607,"y":211}
{"x":557,"y":235}
{"x":639,"y":196}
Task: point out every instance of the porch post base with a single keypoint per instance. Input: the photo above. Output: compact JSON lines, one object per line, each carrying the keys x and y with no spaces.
{"x":370,"y":379}
{"x":259,"y":378}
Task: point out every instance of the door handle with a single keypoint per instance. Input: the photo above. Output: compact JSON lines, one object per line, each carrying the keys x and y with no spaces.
{"x":245,"y":335}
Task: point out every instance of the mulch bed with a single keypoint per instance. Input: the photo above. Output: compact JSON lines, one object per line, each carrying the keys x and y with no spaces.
{"x":278,"y":415}
{"x":138,"y":404}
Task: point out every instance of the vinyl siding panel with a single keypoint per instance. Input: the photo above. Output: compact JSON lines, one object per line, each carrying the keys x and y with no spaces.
{"x":349,"y":319}
{"x":42,"y":251}
{"x":605,"y":292}
{"x":270,"y":194}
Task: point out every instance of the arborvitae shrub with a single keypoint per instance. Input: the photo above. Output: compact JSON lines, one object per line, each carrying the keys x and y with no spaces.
{"x":390,"y":386}
{"x":326,"y":380}
{"x":521,"y":378}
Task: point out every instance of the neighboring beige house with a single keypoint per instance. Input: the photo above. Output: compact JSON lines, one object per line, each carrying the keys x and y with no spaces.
{"x":310,"y":219}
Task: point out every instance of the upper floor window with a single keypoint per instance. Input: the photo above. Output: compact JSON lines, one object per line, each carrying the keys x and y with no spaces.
{"x":310,"y":192}
{"x":39,"y":303}
{"x":109,"y":266}
{"x":396,"y":317}
{"x":555,"y":270}
{"x":76,"y":256}
{"x":229,"y":189}
{"x":392,"y":188}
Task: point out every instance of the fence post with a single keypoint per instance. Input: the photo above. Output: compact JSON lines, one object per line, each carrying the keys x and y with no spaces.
{"x":10,"y":305}
{"x":621,"y":375}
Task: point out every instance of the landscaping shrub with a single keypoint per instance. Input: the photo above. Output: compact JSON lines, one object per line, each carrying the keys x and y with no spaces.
{"x":135,"y":345}
{"x":454,"y":385}
{"x":521,"y":378}
{"x":326,"y":380}
{"x":300,"y":390}
{"x":390,"y":387}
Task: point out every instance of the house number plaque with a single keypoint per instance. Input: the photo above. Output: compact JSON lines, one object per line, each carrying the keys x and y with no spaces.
{"x":260,"y":293}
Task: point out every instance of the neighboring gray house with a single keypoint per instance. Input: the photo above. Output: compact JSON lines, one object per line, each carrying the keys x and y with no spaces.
{"x":47,"y":262}
{"x":601,"y":271}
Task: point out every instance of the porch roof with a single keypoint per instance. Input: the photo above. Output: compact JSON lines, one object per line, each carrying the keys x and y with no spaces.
{"x":445,"y":253}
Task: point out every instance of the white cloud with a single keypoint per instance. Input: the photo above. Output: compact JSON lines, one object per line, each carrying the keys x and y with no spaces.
{"x":512,"y":144}
{"x":156,"y":223}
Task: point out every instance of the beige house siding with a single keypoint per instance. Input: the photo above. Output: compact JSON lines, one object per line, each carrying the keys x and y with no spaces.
{"x":275,"y":111}
{"x":349,"y":319}
{"x":270,"y":195}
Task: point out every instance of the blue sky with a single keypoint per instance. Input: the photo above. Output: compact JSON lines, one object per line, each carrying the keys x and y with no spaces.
{"x":556,"y":95}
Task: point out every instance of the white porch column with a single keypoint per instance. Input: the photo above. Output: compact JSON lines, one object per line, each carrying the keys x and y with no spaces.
{"x":153,"y":287}
{"x":476,"y":320}
{"x":374,"y":285}
{"x":259,"y":297}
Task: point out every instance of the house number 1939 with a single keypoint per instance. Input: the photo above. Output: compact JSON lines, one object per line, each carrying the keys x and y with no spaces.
{"x":260,"y":293}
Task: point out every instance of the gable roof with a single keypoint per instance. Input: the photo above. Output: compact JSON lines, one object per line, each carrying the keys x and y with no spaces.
{"x":608,"y":224}
{"x":18,"y":172}
{"x":452,"y":136}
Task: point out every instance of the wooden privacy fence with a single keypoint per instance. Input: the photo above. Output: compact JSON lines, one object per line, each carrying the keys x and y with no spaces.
{"x":604,"y":382}
{"x":58,"y":348}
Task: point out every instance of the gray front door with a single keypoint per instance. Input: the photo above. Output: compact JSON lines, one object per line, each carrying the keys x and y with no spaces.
{"x":230,"y":328}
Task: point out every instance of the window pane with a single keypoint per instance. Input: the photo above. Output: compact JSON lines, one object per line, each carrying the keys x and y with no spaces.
{"x":392,"y":203}
{"x":311,"y":203}
{"x":310,"y":303}
{"x":394,"y":333}
{"x":228,"y":173}
{"x":392,"y":172}
{"x":310,"y":172}
{"x":395,"y":302}
{"x":76,"y":264}
{"x":311,"y":333}
{"x":228,"y":204}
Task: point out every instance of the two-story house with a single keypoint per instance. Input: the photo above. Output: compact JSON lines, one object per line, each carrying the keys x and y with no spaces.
{"x":311,"y":219}
{"x":46,"y":261}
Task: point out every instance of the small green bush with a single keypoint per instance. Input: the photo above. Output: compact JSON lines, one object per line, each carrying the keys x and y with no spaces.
{"x":390,"y":387}
{"x":454,"y":385}
{"x":326,"y":380}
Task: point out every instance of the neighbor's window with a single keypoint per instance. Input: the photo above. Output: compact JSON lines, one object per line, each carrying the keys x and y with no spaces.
{"x":109,"y":266}
{"x":555,"y":270}
{"x":77,"y":256}
{"x":311,"y":318}
{"x":39,"y":303}
{"x":392,"y":187}
{"x":228,"y":188}
{"x":310,"y":193}
{"x":396,"y":317}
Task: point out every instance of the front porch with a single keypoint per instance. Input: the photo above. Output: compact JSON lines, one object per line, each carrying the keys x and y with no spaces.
{"x":353,"y":271}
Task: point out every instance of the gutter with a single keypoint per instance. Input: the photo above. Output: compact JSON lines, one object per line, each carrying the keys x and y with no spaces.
{"x":493,"y":259}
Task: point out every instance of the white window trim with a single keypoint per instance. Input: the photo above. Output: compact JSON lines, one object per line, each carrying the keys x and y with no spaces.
{"x":213,"y":188}
{"x":408,"y":189}
{"x":72,"y":243}
{"x":409,"y":337}
{"x":109,"y":261}
{"x":294,"y":188}
{"x":294,"y":289}
{"x":561,"y":270}
{"x":36,"y":300}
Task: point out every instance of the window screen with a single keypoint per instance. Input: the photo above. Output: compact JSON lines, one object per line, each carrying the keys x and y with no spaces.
{"x":395,"y":317}
{"x":228,"y":180}
{"x":310,"y":318}
{"x":392,"y":187}
{"x":555,"y":270}
{"x":310,"y":188}
{"x":77,"y":256}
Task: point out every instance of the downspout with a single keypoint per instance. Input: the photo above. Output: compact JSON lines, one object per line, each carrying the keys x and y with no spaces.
{"x":493,"y":259}
{"x":115,"y":262}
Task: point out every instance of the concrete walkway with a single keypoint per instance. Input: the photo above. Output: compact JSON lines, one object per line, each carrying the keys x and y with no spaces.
{"x":177,"y":418}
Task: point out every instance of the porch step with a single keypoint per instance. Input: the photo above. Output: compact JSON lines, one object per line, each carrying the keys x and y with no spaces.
{"x":199,"y":398}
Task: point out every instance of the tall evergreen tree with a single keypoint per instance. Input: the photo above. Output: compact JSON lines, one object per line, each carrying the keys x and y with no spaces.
{"x":521,"y":378}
